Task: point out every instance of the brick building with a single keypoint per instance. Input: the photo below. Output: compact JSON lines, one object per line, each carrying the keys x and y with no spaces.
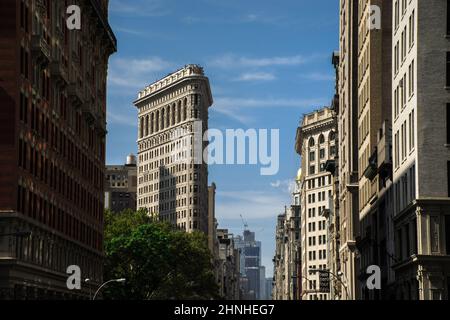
{"x":52,"y":145}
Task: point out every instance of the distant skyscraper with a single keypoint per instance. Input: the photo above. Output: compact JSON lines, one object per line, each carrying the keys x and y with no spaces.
{"x":269,"y":288}
{"x":121,"y":186}
{"x":250,"y":264}
{"x":174,"y":191}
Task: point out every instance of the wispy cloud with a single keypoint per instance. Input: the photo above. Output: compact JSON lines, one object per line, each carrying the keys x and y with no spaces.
{"x":317,"y":76}
{"x":256,"y":76}
{"x":260,"y":18}
{"x":231,"y":60}
{"x":143,"y":8}
{"x":232,"y":19}
{"x":121,"y":118}
{"x":238,"y":103}
{"x":287,"y":185}
{"x":136,"y":73}
{"x":234,"y":107}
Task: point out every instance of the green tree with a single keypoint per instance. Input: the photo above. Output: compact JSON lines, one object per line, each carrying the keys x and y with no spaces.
{"x":157,"y":261}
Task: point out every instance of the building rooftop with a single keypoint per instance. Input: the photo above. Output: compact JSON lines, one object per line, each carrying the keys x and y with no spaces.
{"x":187,"y":71}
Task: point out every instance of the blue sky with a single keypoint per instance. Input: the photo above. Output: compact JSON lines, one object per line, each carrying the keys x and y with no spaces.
{"x":269,"y":62}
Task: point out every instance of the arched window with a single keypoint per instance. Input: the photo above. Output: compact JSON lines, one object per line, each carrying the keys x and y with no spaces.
{"x":184,"y":112}
{"x":146,"y":125}
{"x":141,"y":133}
{"x":162,"y":118}
{"x":157,"y":121}
{"x":332,"y":136}
{"x":152,"y":123}
{"x":168,"y":115}
{"x":173,"y":114}
{"x":321,"y":139}
{"x":311,"y":142}
{"x":179,"y":112}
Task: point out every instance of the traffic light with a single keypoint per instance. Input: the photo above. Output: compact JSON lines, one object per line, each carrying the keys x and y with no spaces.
{"x":324,"y":281}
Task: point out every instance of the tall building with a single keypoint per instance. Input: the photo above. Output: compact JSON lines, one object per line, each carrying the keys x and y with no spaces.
{"x":173,"y":190}
{"x":250,"y":264}
{"x":347,"y":164}
{"x":121,"y":186}
{"x":374,"y":114}
{"x":316,"y":143}
{"x":421,"y":139}
{"x":52,"y":146}
{"x":287,"y":259}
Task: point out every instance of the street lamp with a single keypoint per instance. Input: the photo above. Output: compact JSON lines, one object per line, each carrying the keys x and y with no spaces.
{"x":121,"y":280}
{"x":90,"y":287}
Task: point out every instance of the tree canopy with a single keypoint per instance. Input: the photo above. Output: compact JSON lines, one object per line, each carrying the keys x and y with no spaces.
{"x":157,"y":261}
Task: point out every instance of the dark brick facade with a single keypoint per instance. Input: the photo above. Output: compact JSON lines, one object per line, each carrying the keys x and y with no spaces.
{"x":52,"y":145}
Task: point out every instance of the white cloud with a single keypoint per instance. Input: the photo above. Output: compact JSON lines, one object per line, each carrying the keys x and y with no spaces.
{"x":316,"y":76}
{"x":145,"y":8}
{"x":287,"y":185}
{"x":231,"y":60}
{"x":239,"y":103}
{"x":136,"y":73}
{"x":234,"y":107}
{"x":120,"y":118}
{"x":256,"y":76}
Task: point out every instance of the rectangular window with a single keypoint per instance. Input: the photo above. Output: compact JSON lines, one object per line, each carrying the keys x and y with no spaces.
{"x":22,"y":14}
{"x":448,"y":17}
{"x":448,"y":177}
{"x":448,"y":123}
{"x":396,"y":103}
{"x":448,"y":69}
{"x":404,"y":140}
{"x":413,"y":130}
{"x":404,"y":91}
{"x":447,"y":234}
{"x":412,"y":28}
{"x":410,"y":132}
{"x":322,"y":153}
{"x":397,"y":17}
{"x":402,"y":147}
{"x":396,"y":158}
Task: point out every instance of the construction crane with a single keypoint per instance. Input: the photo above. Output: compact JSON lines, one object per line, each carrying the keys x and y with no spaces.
{"x":244,"y":222}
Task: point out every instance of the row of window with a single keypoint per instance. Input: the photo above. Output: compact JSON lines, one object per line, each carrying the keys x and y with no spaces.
{"x":320,"y":196}
{"x":400,"y":7}
{"x":320,"y":224}
{"x":168,"y":116}
{"x":322,"y":254}
{"x":331,"y":138}
{"x":403,"y":88}
{"x":321,"y":240}
{"x":404,"y":140}
{"x":41,"y":210}
{"x":321,"y":181}
{"x":406,"y":43}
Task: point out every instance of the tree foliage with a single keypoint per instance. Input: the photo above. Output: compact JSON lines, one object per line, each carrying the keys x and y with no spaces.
{"x":157,"y":261}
